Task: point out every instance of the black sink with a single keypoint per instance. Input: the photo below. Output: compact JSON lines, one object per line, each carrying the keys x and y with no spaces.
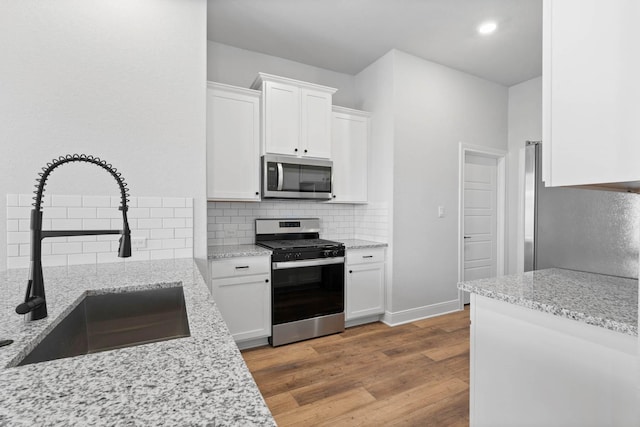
{"x":115,"y":320}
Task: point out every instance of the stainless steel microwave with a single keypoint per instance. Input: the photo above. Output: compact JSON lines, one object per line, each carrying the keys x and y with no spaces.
{"x":286,"y":177}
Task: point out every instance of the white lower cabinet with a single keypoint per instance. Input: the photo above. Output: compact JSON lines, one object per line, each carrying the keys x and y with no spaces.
{"x":241,"y":288}
{"x":365,"y":285}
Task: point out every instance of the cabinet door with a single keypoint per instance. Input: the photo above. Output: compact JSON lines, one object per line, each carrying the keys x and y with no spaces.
{"x":315,"y":123}
{"x":282,"y":119}
{"x":245,"y":305}
{"x":233,"y":138}
{"x":365,"y":290}
{"x":349,"y":148}
{"x":591,"y":88}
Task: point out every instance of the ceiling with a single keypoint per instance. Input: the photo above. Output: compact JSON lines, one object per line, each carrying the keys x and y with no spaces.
{"x":348,"y":35}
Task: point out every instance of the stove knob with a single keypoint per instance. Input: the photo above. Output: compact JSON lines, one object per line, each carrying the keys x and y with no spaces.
{"x":336,"y":252}
{"x":326,"y":254}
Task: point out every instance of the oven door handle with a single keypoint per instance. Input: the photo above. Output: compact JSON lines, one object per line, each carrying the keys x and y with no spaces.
{"x":307,"y":263}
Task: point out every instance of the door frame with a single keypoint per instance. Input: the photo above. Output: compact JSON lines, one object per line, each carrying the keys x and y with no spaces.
{"x":501,"y":192}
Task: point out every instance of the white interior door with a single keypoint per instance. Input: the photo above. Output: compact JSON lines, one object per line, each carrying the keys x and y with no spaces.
{"x":480,"y":218}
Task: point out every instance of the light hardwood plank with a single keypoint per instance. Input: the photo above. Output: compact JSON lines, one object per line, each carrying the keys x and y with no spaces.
{"x":412,"y":375}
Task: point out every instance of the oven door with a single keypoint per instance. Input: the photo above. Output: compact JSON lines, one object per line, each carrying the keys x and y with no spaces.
{"x":307,"y":289}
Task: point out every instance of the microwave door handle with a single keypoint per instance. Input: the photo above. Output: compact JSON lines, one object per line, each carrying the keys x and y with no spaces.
{"x":280,"y":176}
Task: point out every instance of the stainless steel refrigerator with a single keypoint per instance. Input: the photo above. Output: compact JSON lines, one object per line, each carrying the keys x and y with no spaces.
{"x":578,"y":229}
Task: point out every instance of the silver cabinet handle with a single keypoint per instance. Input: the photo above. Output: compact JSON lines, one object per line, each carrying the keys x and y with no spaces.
{"x":241,"y":267}
{"x":467,"y":237}
{"x":367,"y":256}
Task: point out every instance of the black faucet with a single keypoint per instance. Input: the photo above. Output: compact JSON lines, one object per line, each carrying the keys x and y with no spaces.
{"x":34,"y":301}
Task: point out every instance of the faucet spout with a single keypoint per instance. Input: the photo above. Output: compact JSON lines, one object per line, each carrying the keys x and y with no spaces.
{"x":35,"y":304}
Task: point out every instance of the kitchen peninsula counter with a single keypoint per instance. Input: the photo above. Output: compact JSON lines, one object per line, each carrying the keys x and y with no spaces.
{"x":198,"y":380}
{"x":606,"y":301}
{"x":555,"y":348}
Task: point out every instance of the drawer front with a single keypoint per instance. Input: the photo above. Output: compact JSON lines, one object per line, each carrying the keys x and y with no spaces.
{"x":365,"y":256}
{"x":244,"y":266}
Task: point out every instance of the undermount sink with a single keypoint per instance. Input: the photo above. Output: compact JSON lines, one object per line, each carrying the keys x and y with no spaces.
{"x":115,"y":320}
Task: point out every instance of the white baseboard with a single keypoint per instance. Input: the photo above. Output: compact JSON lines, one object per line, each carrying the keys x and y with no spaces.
{"x":362,"y":321}
{"x":418,"y":313}
{"x":251,"y":343}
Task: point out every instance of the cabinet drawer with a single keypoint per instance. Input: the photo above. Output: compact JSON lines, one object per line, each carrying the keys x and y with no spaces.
{"x":244,"y":266}
{"x":365,"y":256}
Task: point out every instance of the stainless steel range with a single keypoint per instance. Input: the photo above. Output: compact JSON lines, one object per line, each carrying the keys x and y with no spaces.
{"x":307,"y":279}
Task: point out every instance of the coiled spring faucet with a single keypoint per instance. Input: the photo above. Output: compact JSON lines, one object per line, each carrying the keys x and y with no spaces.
{"x":35,"y":304}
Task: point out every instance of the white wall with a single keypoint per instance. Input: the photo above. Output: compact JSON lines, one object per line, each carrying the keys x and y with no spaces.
{"x":421,"y":111}
{"x":240,"y":67}
{"x":123,"y":80}
{"x":375,"y":89}
{"x":525,"y":123}
{"x":436,"y":108}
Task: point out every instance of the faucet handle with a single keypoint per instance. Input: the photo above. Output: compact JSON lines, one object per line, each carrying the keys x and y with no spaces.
{"x":29,"y":305}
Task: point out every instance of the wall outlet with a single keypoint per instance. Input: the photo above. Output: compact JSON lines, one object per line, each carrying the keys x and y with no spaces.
{"x":440,"y":211}
{"x":138,"y":242}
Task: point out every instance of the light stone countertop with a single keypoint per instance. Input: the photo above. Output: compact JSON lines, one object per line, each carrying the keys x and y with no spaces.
{"x":606,"y":301}
{"x":197,"y":380}
{"x":233,"y":251}
{"x":361,"y":244}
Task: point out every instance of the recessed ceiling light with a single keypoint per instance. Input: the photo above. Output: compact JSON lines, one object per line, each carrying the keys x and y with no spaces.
{"x":487,"y":27}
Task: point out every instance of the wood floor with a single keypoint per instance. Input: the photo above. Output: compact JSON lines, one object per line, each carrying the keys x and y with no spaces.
{"x":372,"y":375}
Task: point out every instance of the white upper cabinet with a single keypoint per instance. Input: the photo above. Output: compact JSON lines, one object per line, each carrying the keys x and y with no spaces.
{"x":591,"y":92}
{"x":349,"y":149}
{"x":233,"y":143}
{"x":297,"y":117}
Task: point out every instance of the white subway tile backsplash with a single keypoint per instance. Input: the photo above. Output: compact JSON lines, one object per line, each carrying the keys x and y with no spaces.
{"x":25,"y":199}
{"x":183,"y":233}
{"x":234,"y":223}
{"x":66,"y":248}
{"x":73,"y":259}
{"x":173,"y":244}
{"x":81,"y":213}
{"x":14,"y":224}
{"x":183,"y":212}
{"x":169,"y":231}
{"x":96,"y":201}
{"x":18,"y":212}
{"x":16,"y":237}
{"x":108,"y":213}
{"x":173,"y":223}
{"x":162,"y":254}
{"x":149,"y":202}
{"x":137,"y":213}
{"x":18,"y":261}
{"x":96,"y":247}
{"x":13,"y":250}
{"x":12,"y":200}
{"x":161,"y":213}
{"x":150,"y":223}
{"x":162,"y":233}
{"x":66,"y":201}
{"x":54,"y":212}
{"x":173,"y":202}
{"x":54,"y":260}
{"x":183,"y":252}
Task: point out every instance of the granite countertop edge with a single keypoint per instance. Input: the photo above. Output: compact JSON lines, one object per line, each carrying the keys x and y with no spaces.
{"x":483,"y":287}
{"x":236,"y":251}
